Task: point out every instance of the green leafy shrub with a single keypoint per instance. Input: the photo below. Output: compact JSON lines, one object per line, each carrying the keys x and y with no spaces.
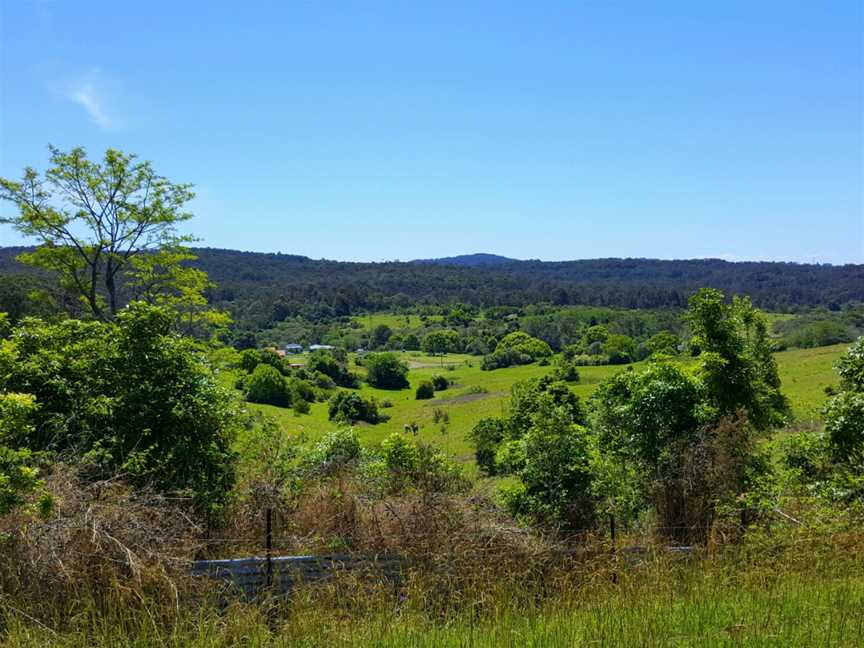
{"x":386,"y":371}
{"x":129,"y":397}
{"x":19,"y":477}
{"x":440,"y":383}
{"x":425,"y":391}
{"x":327,"y":363}
{"x":486,"y":436}
{"x":349,"y":407}
{"x":844,"y":425}
{"x":267,"y":386}
{"x":554,"y":471}
{"x":521,"y":342}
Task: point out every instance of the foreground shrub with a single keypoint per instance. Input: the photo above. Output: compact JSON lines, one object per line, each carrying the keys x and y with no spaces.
{"x":127,"y":397}
{"x":554,"y":472}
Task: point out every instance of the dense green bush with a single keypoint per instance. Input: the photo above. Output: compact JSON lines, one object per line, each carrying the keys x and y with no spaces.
{"x":504,"y":358}
{"x":522,"y":343}
{"x":440,"y":383}
{"x":554,"y":471}
{"x":385,"y":371}
{"x":19,"y":477}
{"x":328,"y":364}
{"x":126,"y":397}
{"x":268,"y":386}
{"x":425,"y":391}
{"x":350,"y":407}
{"x":442,"y":341}
{"x":486,"y":436}
{"x":620,"y":349}
{"x":420,"y":466}
{"x":851,"y":367}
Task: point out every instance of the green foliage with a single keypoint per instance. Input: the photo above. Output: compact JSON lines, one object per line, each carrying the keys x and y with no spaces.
{"x":526,"y":398}
{"x":640,"y":415}
{"x":164,"y":278}
{"x":268,"y":386}
{"x":349,"y":407}
{"x":441,"y":341}
{"x":19,"y":478}
{"x":554,"y":471}
{"x":336,"y":452}
{"x":664,"y":342}
{"x":486,"y":436}
{"x":566,"y":367}
{"x":419,"y":466}
{"x":385,"y":371}
{"x":504,"y":358}
{"x":497,"y":441}
{"x":851,"y":367}
{"x":380,"y":335}
{"x":736,"y":362}
{"x":844,"y":425}
{"x":440,"y":383}
{"x":819,"y":333}
{"x":620,"y":349}
{"x":425,"y":390}
{"x":595,"y":334}
{"x":93,"y":219}
{"x":129,"y":397}
{"x":521,"y":342}
{"x":328,"y":364}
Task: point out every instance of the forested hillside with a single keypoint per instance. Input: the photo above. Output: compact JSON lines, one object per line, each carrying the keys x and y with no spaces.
{"x":284,"y":285}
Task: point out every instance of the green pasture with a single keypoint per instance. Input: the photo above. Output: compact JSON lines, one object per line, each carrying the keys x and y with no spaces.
{"x":393,"y":320}
{"x":476,"y":394}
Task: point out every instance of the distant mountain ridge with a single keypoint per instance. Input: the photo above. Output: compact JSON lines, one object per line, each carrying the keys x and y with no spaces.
{"x":261,"y":280}
{"x":469,"y":260}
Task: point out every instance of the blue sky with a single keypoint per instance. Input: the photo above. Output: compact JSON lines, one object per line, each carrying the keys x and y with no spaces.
{"x":384,"y":130}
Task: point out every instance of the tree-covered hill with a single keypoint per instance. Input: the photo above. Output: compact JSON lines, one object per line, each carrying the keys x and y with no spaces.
{"x":278,"y":285}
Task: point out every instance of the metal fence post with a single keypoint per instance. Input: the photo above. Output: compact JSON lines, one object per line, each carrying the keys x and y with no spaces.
{"x":269,"y":547}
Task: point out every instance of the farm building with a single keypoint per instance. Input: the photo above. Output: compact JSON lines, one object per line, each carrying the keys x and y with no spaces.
{"x":293,"y":348}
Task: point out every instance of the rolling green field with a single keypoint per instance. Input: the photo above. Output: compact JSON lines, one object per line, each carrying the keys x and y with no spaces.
{"x":393,"y":320}
{"x":477,"y":394}
{"x":804,"y":374}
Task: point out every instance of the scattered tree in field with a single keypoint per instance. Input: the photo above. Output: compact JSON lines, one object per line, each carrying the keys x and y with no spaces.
{"x":328,"y":364}
{"x":620,"y":349}
{"x":664,"y":342}
{"x":92,"y":219}
{"x":425,"y":390}
{"x":441,"y":342}
{"x":349,"y":407}
{"x":440,"y":383}
{"x":268,"y":386}
{"x":380,"y":335}
{"x":521,"y":342}
{"x":386,"y":371}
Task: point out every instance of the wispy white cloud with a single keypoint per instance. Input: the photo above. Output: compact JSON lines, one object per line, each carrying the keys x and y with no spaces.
{"x":90,"y":92}
{"x":85,"y":95}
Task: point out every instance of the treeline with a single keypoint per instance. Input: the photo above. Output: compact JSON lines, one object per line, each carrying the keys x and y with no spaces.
{"x":261,"y":288}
